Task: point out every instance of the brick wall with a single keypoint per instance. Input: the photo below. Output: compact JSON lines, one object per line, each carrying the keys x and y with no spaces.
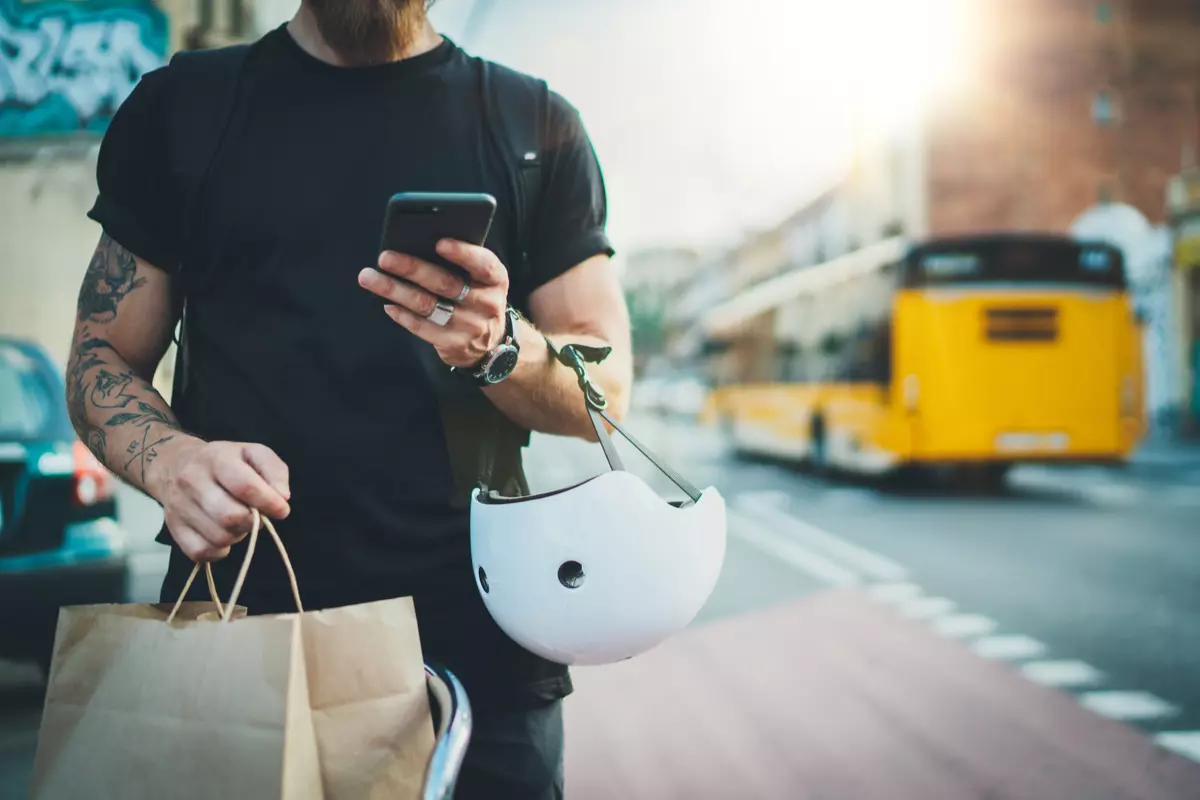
{"x":1021,"y":148}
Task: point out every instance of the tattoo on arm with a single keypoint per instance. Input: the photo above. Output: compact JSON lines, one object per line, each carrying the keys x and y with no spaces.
{"x":111,"y":275}
{"x":110,"y":389}
{"x":142,"y":450}
{"x":85,"y":358}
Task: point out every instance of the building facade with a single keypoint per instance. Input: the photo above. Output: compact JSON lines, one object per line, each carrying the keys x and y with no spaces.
{"x":65,"y":67}
{"x":1070,"y":116}
{"x":1183,"y":204}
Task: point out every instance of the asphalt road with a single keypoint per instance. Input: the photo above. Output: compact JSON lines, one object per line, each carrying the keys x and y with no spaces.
{"x":1093,"y":594}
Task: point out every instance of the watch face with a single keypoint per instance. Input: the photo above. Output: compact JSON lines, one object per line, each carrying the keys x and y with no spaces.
{"x":502,"y":365}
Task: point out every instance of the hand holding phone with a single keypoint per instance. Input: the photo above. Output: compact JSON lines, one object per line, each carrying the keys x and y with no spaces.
{"x":415,"y":222}
{"x":462,"y":311}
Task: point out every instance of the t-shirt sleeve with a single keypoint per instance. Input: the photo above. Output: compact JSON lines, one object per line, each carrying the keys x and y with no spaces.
{"x":137,"y":205}
{"x":569,"y":225}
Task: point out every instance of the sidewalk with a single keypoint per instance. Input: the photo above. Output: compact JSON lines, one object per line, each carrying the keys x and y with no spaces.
{"x":1168,"y":456}
{"x":1161,"y":471}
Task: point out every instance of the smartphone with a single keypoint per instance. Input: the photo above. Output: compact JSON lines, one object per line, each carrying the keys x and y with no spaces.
{"x":416,"y":221}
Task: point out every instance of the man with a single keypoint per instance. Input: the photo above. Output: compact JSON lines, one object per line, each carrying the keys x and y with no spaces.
{"x":308,"y":391}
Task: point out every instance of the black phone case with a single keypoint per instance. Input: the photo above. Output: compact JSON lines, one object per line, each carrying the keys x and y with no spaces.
{"x":414,"y":223}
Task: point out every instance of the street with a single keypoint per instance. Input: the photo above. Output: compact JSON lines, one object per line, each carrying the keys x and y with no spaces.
{"x":1054,"y":614}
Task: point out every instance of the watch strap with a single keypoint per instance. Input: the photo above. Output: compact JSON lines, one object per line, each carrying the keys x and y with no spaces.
{"x":511,"y":315}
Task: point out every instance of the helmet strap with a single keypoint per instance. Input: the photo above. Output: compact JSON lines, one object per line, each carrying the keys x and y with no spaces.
{"x":577,"y":356}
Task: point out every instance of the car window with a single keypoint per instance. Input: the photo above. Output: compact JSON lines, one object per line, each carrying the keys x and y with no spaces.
{"x":25,"y":400}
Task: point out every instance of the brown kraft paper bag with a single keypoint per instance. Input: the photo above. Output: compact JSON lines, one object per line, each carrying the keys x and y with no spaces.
{"x":201,"y":701}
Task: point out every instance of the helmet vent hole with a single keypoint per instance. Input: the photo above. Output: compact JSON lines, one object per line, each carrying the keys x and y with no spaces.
{"x":483,"y":584}
{"x":570,"y":574}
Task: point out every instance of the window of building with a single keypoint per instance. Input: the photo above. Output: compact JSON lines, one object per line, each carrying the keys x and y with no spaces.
{"x":1103,"y":12}
{"x":1104,"y":110}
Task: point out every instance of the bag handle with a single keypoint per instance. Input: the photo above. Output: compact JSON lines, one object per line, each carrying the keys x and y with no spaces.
{"x":226,"y":611}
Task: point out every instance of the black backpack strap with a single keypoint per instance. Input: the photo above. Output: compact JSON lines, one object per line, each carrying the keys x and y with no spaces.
{"x":515,"y":114}
{"x":204,"y":86}
{"x":515,"y":109}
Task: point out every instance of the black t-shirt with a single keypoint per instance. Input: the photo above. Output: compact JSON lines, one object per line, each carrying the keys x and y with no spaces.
{"x":286,"y":349}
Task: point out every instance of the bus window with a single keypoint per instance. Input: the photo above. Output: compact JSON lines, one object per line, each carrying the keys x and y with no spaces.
{"x":1015,"y":259}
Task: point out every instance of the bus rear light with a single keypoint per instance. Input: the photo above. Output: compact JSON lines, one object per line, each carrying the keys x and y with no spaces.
{"x":912,"y":392}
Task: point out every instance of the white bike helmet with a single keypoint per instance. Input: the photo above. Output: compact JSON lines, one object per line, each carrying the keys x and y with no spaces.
{"x":603,"y":570}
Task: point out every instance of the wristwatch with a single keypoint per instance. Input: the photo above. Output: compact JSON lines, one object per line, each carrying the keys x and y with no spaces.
{"x":501,"y":360}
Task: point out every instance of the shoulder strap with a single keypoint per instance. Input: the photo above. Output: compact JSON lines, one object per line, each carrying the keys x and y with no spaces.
{"x":204,"y":87}
{"x":515,"y":108}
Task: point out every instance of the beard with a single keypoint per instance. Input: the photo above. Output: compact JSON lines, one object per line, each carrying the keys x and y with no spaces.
{"x":368,"y":32}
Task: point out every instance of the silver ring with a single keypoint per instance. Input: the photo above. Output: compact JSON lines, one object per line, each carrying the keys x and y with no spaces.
{"x":466,"y":290}
{"x":442,"y":312}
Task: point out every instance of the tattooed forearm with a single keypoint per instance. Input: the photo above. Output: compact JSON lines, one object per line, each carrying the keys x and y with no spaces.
{"x":99,"y":383}
{"x":87,"y":356}
{"x":111,"y":275}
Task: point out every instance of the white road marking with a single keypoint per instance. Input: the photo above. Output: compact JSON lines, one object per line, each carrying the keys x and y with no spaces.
{"x":890,"y":593}
{"x":1008,"y":647}
{"x":862,"y":560}
{"x":1091,"y":486}
{"x":1127,"y":706}
{"x":964,"y":625}
{"x":1062,"y":674}
{"x":927,"y":607}
{"x":1185,"y":743}
{"x":1113,"y":494}
{"x":789,"y":551}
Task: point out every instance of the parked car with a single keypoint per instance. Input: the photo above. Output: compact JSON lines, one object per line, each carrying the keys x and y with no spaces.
{"x":59,"y":539}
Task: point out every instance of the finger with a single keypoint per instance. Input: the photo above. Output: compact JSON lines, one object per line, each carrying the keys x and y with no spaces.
{"x":267,"y":463}
{"x":406,"y":294}
{"x":230,"y":515}
{"x":245,"y":484}
{"x":436,"y":335}
{"x":481,"y":263}
{"x":490,"y":302}
{"x":209,"y":515}
{"x":428,"y":276}
{"x":193,"y":544}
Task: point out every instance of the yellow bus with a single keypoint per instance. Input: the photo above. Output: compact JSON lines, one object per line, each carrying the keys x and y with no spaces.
{"x":971,"y":353}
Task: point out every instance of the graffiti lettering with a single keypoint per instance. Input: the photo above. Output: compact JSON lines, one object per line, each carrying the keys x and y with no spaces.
{"x":69,"y":71}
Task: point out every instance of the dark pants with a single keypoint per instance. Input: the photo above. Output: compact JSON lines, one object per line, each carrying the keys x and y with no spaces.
{"x":514,"y":755}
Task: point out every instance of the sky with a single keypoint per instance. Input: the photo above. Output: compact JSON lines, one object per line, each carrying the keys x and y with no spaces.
{"x":710,"y":117}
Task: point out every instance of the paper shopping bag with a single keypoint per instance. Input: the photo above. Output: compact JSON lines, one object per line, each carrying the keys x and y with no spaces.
{"x":202,"y":701}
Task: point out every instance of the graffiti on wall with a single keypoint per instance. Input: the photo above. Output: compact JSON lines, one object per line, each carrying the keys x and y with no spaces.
{"x":65,"y":65}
